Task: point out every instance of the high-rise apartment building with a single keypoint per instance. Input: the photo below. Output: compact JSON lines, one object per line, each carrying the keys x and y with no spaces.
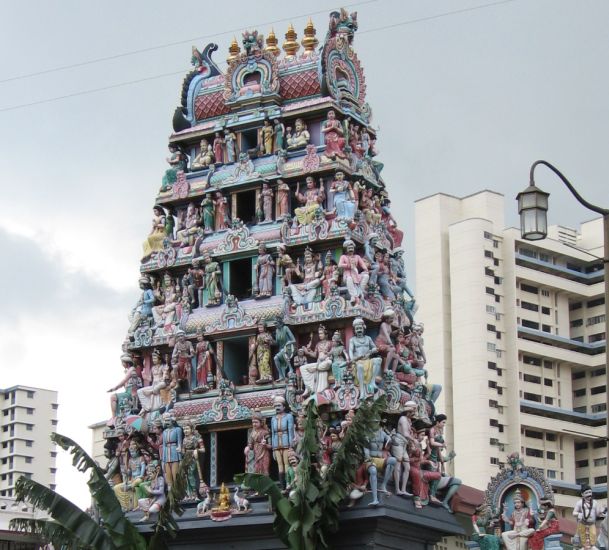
{"x":28,"y":417}
{"x":516,"y":334}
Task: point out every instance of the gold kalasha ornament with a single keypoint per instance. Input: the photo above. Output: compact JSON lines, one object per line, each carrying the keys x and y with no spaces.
{"x":291,"y":45}
{"x":309,"y":42}
{"x":271,"y":43}
{"x":234,"y":50}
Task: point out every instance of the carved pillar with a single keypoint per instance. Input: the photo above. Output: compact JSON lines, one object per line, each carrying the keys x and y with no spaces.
{"x":220,"y":361}
{"x":213,"y":459}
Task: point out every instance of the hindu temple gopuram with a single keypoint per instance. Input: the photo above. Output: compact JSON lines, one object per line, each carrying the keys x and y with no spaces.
{"x":273,"y":275}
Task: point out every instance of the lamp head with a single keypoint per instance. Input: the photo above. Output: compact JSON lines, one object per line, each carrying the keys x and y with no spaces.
{"x":533,"y":210}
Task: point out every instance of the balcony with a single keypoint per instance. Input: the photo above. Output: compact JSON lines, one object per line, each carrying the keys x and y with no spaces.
{"x":567,"y":415}
{"x":560,"y":341}
{"x":560,"y":270}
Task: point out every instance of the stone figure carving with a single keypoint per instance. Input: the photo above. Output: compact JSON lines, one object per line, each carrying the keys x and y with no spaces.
{"x":282,"y":437}
{"x":344,"y":203}
{"x":334,"y":137}
{"x":300,"y":137}
{"x":312,"y":201}
{"x":257,"y":453}
{"x":362,"y":352}
{"x":177,"y":163}
{"x":355,"y":272}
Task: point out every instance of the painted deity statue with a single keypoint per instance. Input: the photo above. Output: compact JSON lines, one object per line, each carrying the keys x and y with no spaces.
{"x":193,"y":445}
{"x":266,"y":203}
{"x":334,"y":137}
{"x":264,"y":341}
{"x":205,"y":157}
{"x":258,"y":450}
{"x":122,"y":403}
{"x":362,"y":352}
{"x":548,"y":525}
{"x":150,"y":396}
{"x":219,"y":148}
{"x":421,"y":477}
{"x":156,"y":238}
{"x":177,"y":163}
{"x":221,"y":216}
{"x":207,"y":213}
{"x":300,"y":137}
{"x":230,"y":141}
{"x":143,"y":309}
{"x":286,"y":343}
{"x":587,"y":512}
{"x":132,"y":477}
{"x":196,"y":285}
{"x":266,"y":138}
{"x":282,"y":437}
{"x":278,"y":136}
{"x":400,"y":439}
{"x":521,"y":522}
{"x":339,"y":358}
{"x":205,"y":358}
{"x":152,"y":493}
{"x":312,"y":200}
{"x":315,"y":375}
{"x":376,"y":461}
{"x":306,"y":292}
{"x":265,"y":268}
{"x":344,"y":202}
{"x":384,"y":341}
{"x":181,"y":358}
{"x":171,"y":450}
{"x":355,"y":272}
{"x":187,"y":233}
{"x":283,"y":199}
{"x":483,"y":526}
{"x":213,"y":277}
{"x":112,"y":471}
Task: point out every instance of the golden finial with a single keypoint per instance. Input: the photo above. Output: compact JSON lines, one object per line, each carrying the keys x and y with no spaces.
{"x":291,"y":45}
{"x":309,"y":42}
{"x":233,"y":51}
{"x":271,"y":43}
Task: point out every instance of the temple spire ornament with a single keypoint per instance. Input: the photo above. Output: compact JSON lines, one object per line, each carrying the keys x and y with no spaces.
{"x":271,"y":43}
{"x":309,"y":42}
{"x":290,"y":45}
{"x":233,"y":51}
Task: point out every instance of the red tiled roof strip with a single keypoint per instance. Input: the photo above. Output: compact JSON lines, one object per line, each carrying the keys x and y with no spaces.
{"x":210,"y":105}
{"x":299,"y":84}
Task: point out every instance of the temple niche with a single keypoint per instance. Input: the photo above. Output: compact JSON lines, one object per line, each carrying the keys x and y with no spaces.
{"x":273,"y":275}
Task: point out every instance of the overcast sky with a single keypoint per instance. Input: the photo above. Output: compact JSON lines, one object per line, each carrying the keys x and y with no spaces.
{"x":464,"y":101}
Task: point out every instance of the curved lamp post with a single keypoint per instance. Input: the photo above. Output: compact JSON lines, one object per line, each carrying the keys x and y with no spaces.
{"x":533,"y":209}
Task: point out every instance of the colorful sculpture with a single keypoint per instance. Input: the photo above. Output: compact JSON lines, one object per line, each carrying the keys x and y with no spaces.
{"x":587,"y":512}
{"x":300,"y":138}
{"x":334,"y":137}
{"x":257,"y":453}
{"x":282,"y":436}
{"x":177,"y":163}
{"x":312,"y":200}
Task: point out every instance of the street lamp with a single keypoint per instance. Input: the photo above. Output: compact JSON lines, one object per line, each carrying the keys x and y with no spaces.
{"x":533,"y":208}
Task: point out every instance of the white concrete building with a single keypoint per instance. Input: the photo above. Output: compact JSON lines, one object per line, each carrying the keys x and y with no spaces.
{"x":28,"y":417}
{"x":515,"y":332}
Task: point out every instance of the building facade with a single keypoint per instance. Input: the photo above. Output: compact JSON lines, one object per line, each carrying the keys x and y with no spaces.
{"x":28,"y":417}
{"x":518,"y":336}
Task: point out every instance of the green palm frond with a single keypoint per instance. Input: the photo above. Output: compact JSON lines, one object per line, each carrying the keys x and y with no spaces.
{"x":47,"y":531}
{"x":120,"y":529}
{"x":65,"y":513}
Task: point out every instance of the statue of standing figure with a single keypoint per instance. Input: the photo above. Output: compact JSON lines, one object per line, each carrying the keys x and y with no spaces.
{"x":355,"y":272}
{"x":266,"y":138}
{"x":221,"y":216}
{"x":207,"y":213}
{"x":278,"y":135}
{"x":344,"y":201}
{"x":266,"y":203}
{"x":282,"y":437}
{"x":334,"y":137}
{"x":213,"y":277}
{"x":587,"y":512}
{"x":171,"y":449}
{"x":283,"y":199}
{"x":265,"y":268}
{"x":205,"y":358}
{"x":378,"y":461}
{"x":362,"y":352}
{"x":257,"y":453}
{"x":230,"y":141}
{"x":219,"y":148}
{"x":312,"y":200}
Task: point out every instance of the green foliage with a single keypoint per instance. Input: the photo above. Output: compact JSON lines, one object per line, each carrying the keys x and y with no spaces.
{"x":305,"y":519}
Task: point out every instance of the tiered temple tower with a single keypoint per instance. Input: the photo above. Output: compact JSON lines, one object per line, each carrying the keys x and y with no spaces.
{"x":273,"y":273}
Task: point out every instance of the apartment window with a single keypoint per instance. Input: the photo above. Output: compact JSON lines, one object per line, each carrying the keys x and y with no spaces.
{"x":596,"y":302}
{"x":545,"y":293}
{"x":548,"y":382}
{"x":598,"y":337}
{"x":545,"y":310}
{"x":538,"y":453}
{"x":493,"y":404}
{"x":548,"y":400}
{"x":548,"y":364}
{"x":492,"y":384}
{"x":528,"y":252}
{"x":582,"y":463}
{"x":574,"y":267}
{"x":495,"y":262}
{"x":29,"y":411}
{"x":529,"y":306}
{"x":532,"y":397}
{"x":575,"y":305}
{"x":494,"y":422}
{"x":492,"y":366}
{"x":30,"y":395}
{"x":529,"y":288}
{"x":595,"y":320}
{"x":582,"y":480}
{"x":551,"y":474}
{"x":529,"y":360}
{"x":53,"y":454}
{"x":490,"y":309}
{"x":600,"y":461}
{"x":601,"y":407}
{"x":546,"y":328}
{"x":579,"y":393}
{"x":488,"y":271}
{"x":29,"y":443}
{"x":494,"y":460}
{"x":488,"y":254}
{"x":495,"y":243}
{"x":29,"y":427}
{"x":531,"y":378}
{"x":490,"y":346}
{"x":55,"y":406}
{"x":490,"y":290}
{"x":600,"y":479}
{"x":544,"y":257}
{"x":598,"y":372}
{"x":530,"y":324}
{"x":534,"y":434}
{"x":550,"y":455}
{"x":550,"y":436}
{"x":581,"y":409}
{"x":54,"y":422}
{"x":52,"y":486}
{"x":53,"y":470}
{"x":28,"y":459}
{"x":492,"y":328}
{"x":601,"y":444}
{"x":578,"y":375}
{"x":488,"y":236}
{"x":576,"y":323}
{"x":497,"y":298}
{"x":499,"y":390}
{"x":578,"y":338}
{"x":498,"y":280}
